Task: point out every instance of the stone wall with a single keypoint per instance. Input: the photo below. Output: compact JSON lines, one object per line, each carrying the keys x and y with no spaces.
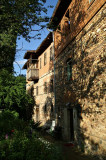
{"x":87,"y":85}
{"x":44,"y":108}
{"x":77,"y":15}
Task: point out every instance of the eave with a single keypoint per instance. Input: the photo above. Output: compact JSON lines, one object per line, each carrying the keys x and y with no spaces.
{"x":28,"y":53}
{"x":43,"y":46}
{"x":58,"y":13}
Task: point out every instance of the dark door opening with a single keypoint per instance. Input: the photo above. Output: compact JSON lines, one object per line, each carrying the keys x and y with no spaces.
{"x":71,"y":125}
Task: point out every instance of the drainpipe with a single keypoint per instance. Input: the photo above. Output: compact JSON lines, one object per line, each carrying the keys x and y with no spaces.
{"x":54,"y":75}
{"x":54,"y":79}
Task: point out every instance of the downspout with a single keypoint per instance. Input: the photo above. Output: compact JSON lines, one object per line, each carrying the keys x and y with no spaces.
{"x":54,"y":79}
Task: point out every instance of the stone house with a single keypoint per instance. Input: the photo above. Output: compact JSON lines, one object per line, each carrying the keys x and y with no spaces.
{"x":79,"y":42}
{"x":40,"y":80}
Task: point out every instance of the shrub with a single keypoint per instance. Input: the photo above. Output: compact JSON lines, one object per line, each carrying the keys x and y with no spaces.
{"x":21,"y":144}
{"x":10,"y":122}
{"x":57,"y":133}
{"x":20,"y":147}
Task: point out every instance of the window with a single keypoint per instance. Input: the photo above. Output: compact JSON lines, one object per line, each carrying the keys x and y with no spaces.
{"x":51,"y":54}
{"x":69,"y":69}
{"x":37,"y":90}
{"x":45,"y":87}
{"x":40,"y":63}
{"x":51,"y":85}
{"x":45,"y":59}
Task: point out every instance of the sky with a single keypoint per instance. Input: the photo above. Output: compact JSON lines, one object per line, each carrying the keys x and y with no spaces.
{"x":23,"y":45}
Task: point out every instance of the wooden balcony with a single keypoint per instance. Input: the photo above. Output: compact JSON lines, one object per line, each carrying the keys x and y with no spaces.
{"x":32,"y":74}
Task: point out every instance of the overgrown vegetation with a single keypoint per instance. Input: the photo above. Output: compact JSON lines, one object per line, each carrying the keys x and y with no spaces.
{"x":19,"y":138}
{"x":17,"y":19}
{"x":17,"y":142}
{"x":13,"y":95}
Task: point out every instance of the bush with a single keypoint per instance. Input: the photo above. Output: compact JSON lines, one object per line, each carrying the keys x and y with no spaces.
{"x":21,"y":143}
{"x":36,"y":125}
{"x":13,"y":95}
{"x":57,"y":133}
{"x":20,"y":147}
{"x":10,"y":122}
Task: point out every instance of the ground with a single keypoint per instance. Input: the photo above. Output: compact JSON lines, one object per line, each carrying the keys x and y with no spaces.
{"x":70,"y":151}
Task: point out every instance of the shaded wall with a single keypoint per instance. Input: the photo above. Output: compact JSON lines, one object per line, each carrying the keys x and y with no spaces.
{"x":86,"y":87}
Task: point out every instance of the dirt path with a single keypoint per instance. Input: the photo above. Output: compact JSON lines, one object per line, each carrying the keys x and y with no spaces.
{"x":70,"y":152}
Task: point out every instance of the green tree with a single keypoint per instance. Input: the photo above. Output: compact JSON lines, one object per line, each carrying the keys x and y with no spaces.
{"x":13,"y":95}
{"x":17,"y":18}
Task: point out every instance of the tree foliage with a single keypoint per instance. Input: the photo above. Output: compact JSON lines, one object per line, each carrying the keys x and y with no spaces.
{"x":20,"y":16}
{"x":17,"y":18}
{"x":13,"y":95}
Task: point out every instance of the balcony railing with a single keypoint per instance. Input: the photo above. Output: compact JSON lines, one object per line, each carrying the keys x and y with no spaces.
{"x":32,"y":74}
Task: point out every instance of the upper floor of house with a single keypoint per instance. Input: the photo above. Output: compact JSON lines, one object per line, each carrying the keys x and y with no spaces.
{"x":70,"y":17}
{"x":40,"y":61}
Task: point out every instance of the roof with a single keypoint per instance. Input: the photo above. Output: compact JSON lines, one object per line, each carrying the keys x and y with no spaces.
{"x":28,"y":53}
{"x":43,"y":46}
{"x":58,"y":13}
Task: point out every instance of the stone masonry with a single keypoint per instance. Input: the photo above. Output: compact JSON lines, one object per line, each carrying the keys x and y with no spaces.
{"x":86,"y":88}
